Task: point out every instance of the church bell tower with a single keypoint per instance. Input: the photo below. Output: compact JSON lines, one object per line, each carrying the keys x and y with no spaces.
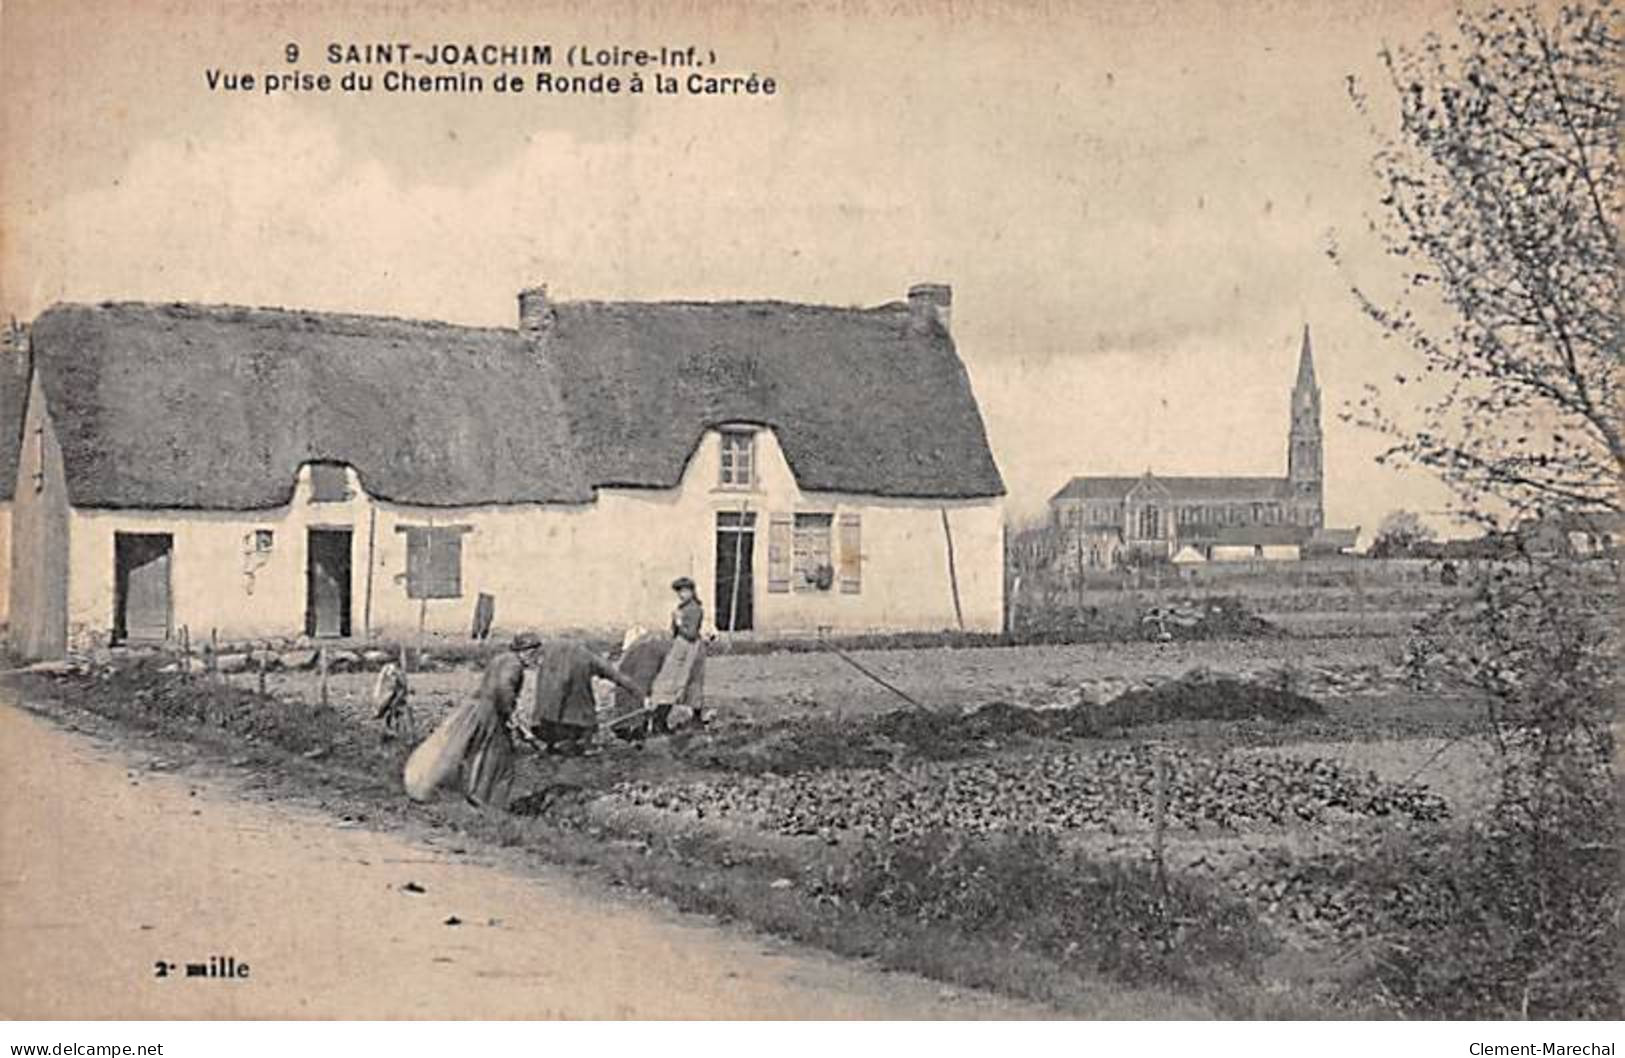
{"x":1305,"y":476}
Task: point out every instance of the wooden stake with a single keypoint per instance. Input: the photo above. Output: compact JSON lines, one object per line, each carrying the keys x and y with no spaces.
{"x":322,"y":662}
{"x":260,"y":657}
{"x":186,"y":652}
{"x":372,"y":538}
{"x":1160,"y":820}
{"x":953,"y":573}
{"x":1077,"y":540}
{"x":739,"y":557}
{"x":214,"y":652}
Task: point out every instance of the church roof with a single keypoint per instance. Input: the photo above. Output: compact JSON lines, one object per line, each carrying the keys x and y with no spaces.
{"x":1237,"y":489}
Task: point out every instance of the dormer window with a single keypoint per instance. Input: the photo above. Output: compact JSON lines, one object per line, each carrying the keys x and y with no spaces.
{"x":329,"y":483}
{"x":738,"y":459}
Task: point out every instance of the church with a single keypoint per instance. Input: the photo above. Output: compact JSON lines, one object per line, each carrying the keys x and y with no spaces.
{"x":1102,"y":522}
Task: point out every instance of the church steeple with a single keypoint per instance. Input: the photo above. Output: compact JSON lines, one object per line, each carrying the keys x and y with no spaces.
{"x":1306,"y":364}
{"x":1304,"y":448}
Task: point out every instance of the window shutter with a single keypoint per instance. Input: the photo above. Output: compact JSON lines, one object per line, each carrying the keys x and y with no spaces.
{"x":851,"y":571}
{"x":779,"y":537}
{"x":434,"y":563}
{"x":447,"y":564}
{"x":417,"y":560}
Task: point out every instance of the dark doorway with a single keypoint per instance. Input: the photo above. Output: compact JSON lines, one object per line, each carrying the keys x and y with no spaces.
{"x":141,"y":586}
{"x":736,"y":548}
{"x":327,"y":583}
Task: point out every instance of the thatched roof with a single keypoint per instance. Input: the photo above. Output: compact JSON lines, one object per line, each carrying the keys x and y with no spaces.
{"x":860,"y":400}
{"x":217,"y":407}
{"x":13,"y":397}
{"x":211,"y":407}
{"x":1194,"y":489}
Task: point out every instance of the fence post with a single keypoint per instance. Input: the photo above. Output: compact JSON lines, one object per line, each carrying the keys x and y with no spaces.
{"x":214,"y":652}
{"x":259,"y":656}
{"x":322,"y":663}
{"x":1160,"y":821}
{"x":186,"y":653}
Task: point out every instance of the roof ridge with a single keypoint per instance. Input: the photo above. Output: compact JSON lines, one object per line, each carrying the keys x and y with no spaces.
{"x":685,"y":303}
{"x":235,"y":313}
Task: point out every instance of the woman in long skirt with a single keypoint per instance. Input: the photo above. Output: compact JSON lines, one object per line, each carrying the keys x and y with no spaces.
{"x":489,"y":764}
{"x":682,"y":676}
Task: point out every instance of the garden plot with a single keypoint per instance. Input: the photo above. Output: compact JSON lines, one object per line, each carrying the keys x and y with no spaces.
{"x":1108,"y":789}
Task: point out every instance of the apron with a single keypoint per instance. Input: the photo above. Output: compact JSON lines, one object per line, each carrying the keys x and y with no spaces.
{"x":682,"y":676}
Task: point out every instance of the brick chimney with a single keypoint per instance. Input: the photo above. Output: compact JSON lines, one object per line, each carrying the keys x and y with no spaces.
{"x":928,"y":302}
{"x":535,"y":311}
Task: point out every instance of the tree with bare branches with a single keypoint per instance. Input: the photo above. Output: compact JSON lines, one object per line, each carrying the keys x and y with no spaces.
{"x":1502,"y":206}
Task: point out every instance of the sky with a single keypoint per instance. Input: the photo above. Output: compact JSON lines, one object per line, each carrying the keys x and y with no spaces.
{"x":1132,"y":203}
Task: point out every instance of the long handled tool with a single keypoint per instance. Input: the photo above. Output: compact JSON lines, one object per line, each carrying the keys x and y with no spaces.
{"x":833,"y":649}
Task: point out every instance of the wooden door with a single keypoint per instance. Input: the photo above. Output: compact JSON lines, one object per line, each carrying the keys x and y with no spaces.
{"x":142,"y":592}
{"x":736,"y":548}
{"x":327,"y":583}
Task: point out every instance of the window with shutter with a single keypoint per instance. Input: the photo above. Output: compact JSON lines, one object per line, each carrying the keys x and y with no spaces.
{"x":434,"y":562}
{"x":779,"y":545}
{"x":851,"y":554}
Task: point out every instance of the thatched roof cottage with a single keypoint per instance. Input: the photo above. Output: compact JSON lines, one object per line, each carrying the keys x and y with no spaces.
{"x":259,"y":472}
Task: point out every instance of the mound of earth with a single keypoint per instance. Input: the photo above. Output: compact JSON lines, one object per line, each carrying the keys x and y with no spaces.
{"x":1201,"y":696}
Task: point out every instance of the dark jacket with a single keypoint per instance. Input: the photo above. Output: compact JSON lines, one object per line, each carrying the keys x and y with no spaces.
{"x":686,"y":620}
{"x":564,"y":684}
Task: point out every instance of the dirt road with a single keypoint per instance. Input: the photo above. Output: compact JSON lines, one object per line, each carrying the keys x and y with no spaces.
{"x":108,"y":868}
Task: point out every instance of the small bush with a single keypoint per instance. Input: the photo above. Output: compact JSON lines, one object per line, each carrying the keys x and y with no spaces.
{"x":1465,"y":924}
{"x":1024,"y":888}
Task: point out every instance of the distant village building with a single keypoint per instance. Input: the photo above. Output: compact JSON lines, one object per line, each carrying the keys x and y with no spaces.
{"x":267,"y":472}
{"x":1581,"y":533}
{"x":1108,"y":521}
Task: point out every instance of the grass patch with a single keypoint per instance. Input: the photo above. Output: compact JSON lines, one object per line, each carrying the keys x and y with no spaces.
{"x":1023,"y":889}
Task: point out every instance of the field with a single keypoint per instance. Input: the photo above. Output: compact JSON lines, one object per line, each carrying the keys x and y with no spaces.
{"x":1044,"y":819}
{"x":751,"y":688}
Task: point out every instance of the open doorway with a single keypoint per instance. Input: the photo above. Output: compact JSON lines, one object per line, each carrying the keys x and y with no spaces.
{"x":736,"y":548}
{"x":142,"y":602}
{"x":327,"y":583}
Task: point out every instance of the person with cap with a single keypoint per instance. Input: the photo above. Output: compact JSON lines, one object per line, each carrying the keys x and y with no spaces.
{"x":563,"y":714}
{"x":681,"y":680}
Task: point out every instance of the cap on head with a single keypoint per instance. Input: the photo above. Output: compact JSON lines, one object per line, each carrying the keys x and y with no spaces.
{"x":525,"y":641}
{"x":682,"y":582}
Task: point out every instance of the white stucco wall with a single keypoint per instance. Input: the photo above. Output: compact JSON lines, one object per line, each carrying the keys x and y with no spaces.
{"x":600,"y":567}
{"x":1250,"y":553}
